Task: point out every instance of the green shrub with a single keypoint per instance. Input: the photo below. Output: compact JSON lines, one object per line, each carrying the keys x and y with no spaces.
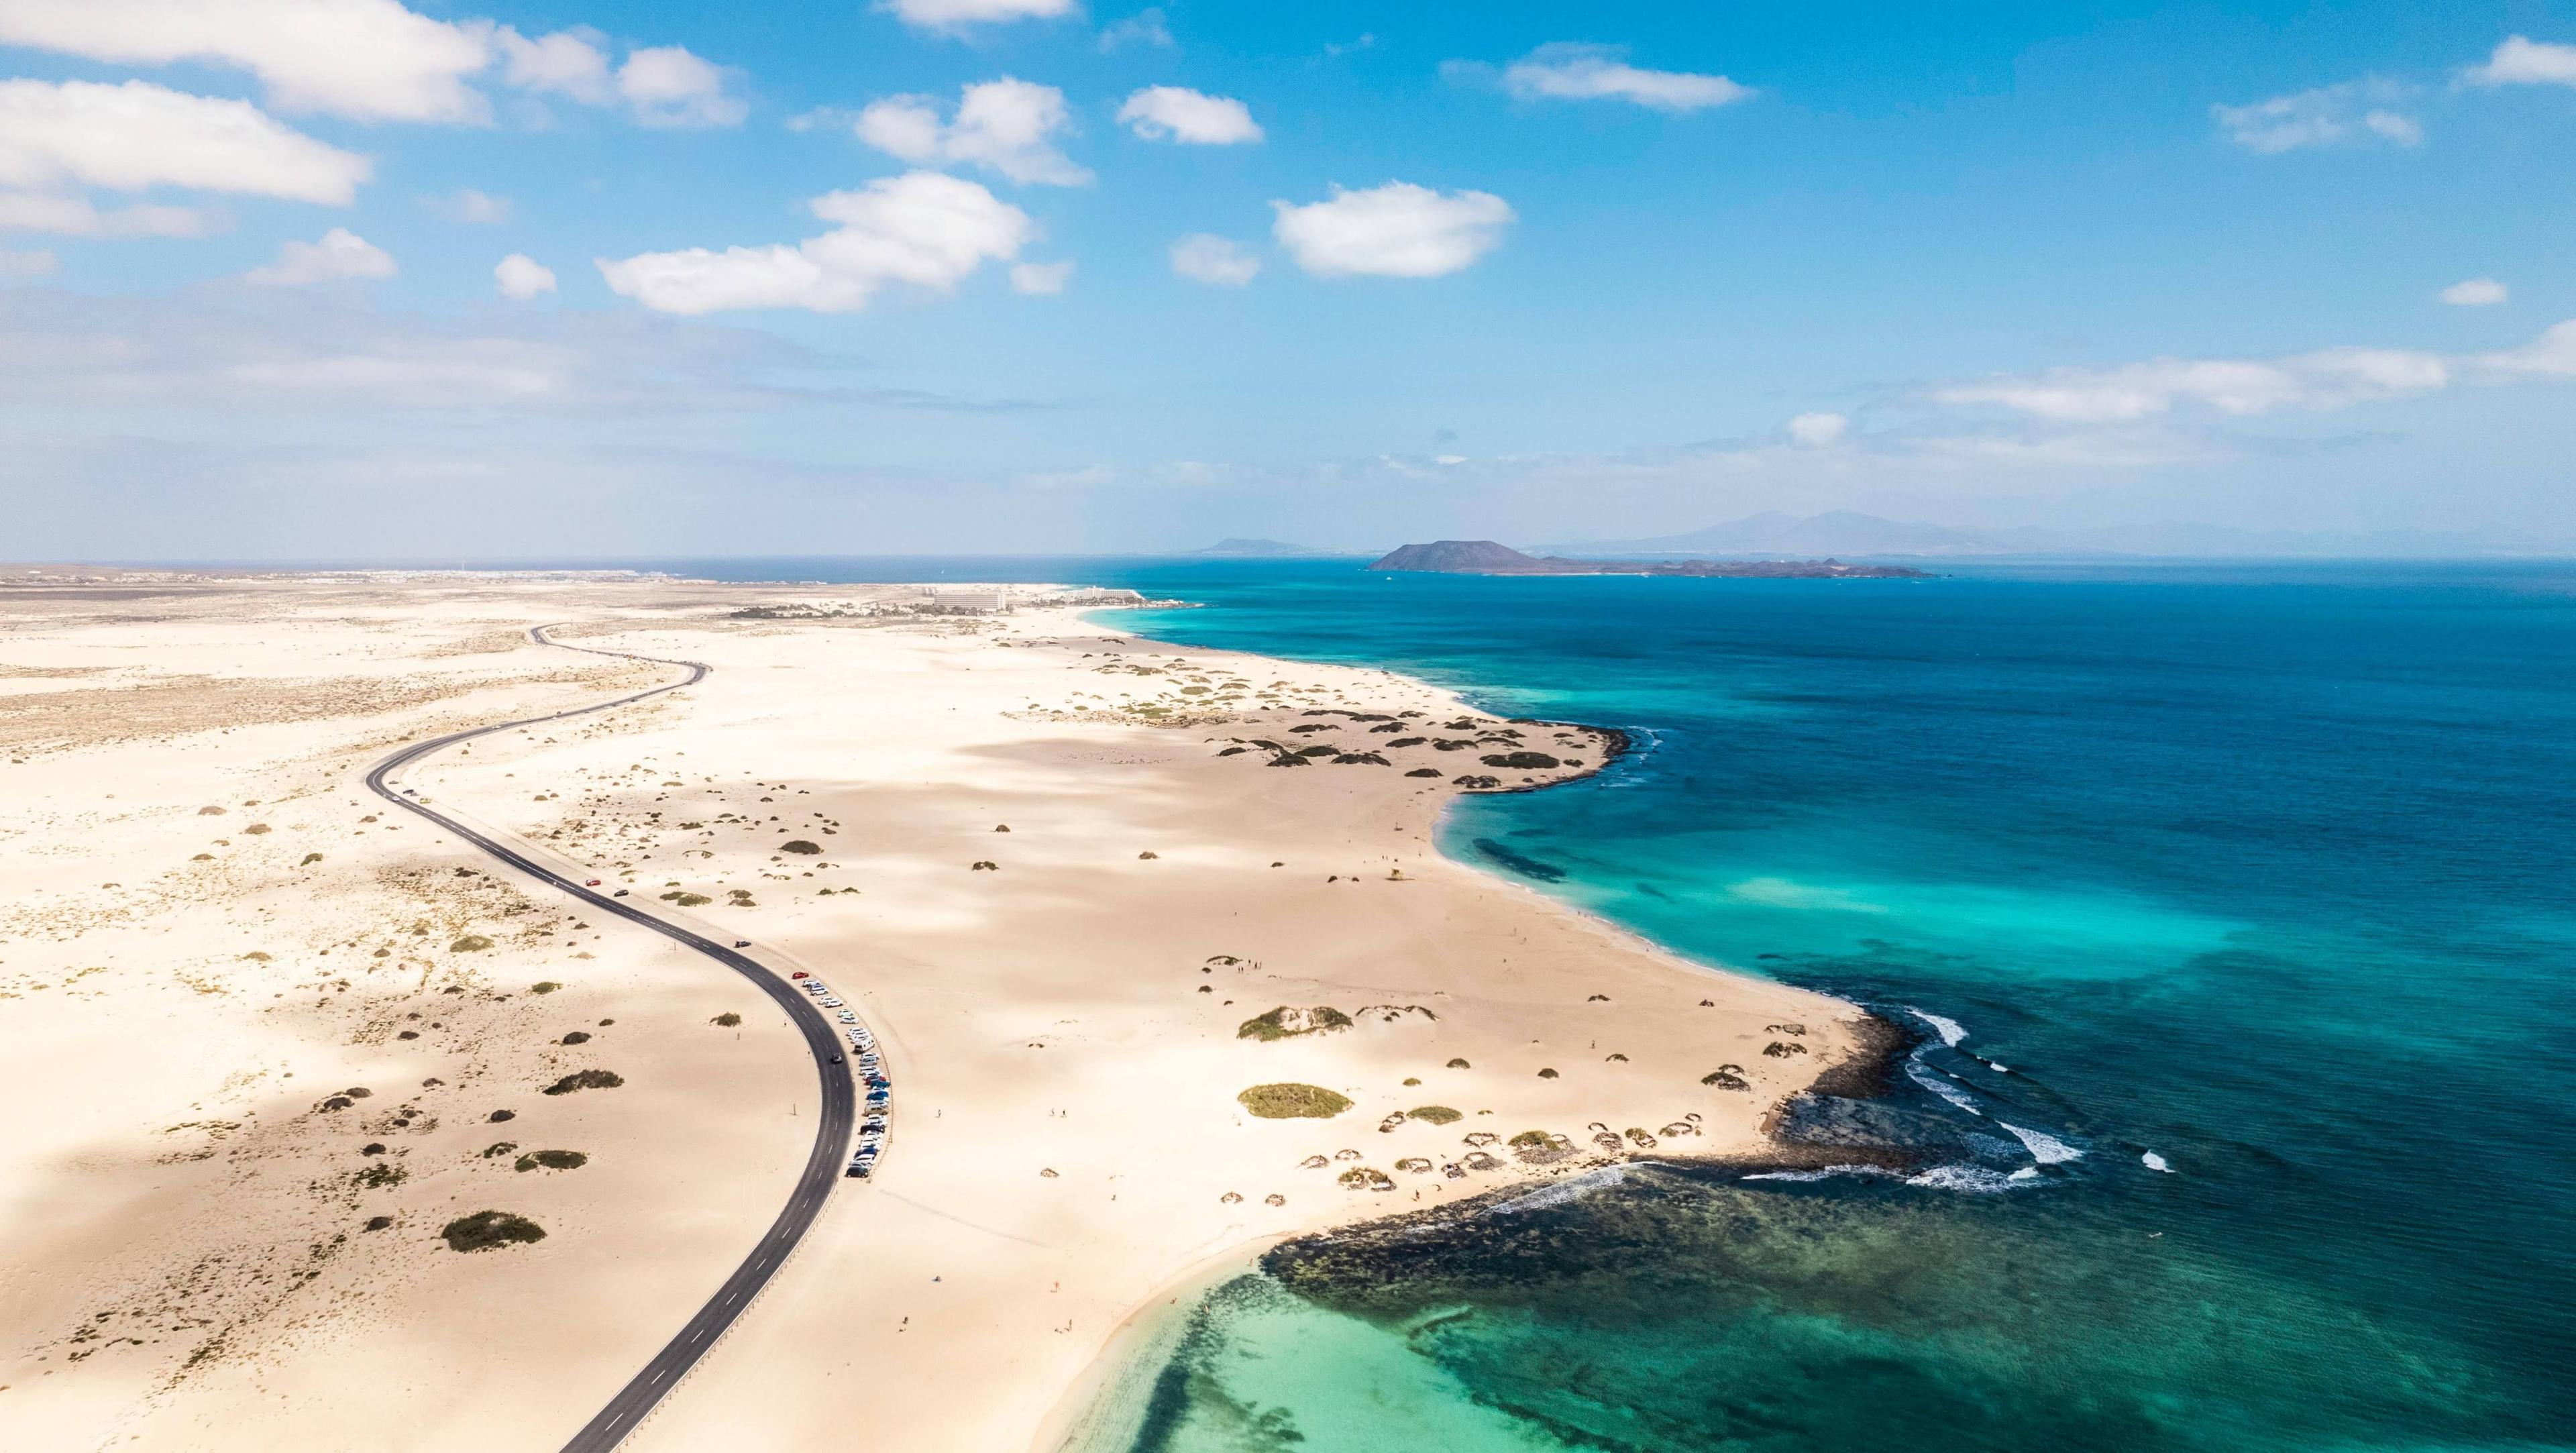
{"x":1293,"y":1102}
{"x":801,"y":847}
{"x":552,"y":1160}
{"x":728,"y":1019}
{"x":472,"y":943}
{"x":544,"y":986}
{"x":1436,"y":1114}
{"x":1285,"y":1022}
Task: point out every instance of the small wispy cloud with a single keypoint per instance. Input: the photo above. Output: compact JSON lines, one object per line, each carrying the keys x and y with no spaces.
{"x":2353,"y":111}
{"x":1567,"y":71}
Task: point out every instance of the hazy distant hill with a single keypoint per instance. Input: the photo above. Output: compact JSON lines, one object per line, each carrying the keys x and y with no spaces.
{"x":1774,"y":535}
{"x":1258,"y":548}
{"x":1484,"y":557}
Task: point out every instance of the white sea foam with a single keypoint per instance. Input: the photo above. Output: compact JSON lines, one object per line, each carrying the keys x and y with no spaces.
{"x":1941,"y":1087}
{"x":2156,"y":1162}
{"x":1825,"y":1174}
{"x":2026,"y":1173}
{"x":2045,"y":1148}
{"x":1950,"y":1030}
{"x":1975,"y":1179}
{"x":1563,"y":1191}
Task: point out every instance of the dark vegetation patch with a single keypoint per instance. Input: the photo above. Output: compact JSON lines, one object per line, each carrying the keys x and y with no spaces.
{"x":1435,"y":1114}
{"x":728,"y":1019}
{"x":485,"y":1230}
{"x":586,"y":1080}
{"x":472,"y":943}
{"x":801,"y":847}
{"x":552,"y":1160}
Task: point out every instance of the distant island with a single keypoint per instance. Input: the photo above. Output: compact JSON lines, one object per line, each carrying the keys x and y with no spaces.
{"x":1484,"y":557}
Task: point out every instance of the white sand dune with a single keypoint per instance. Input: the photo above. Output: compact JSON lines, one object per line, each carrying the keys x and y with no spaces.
{"x":184,"y":1259}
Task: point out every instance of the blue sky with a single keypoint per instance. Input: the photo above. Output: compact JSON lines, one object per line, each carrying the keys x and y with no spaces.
{"x":1533,"y":272}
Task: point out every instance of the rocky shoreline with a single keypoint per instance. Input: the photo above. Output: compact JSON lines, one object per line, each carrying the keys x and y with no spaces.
{"x":1842,"y":1119}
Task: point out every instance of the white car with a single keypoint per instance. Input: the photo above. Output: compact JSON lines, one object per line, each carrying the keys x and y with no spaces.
{"x":848,"y":1018}
{"x":831,"y":1003}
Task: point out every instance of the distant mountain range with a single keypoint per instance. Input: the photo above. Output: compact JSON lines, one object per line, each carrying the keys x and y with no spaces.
{"x":1774,"y":535}
{"x":1261,"y":549}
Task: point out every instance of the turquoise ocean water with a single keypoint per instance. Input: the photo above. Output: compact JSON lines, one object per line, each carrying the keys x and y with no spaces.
{"x":2267,"y":872}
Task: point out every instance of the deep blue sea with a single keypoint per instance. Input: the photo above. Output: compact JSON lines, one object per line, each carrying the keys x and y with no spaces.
{"x":2265,"y":872}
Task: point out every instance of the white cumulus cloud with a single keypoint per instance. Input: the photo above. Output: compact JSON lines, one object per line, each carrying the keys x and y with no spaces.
{"x":2476,"y":292}
{"x":921,"y":228}
{"x":523,"y":277}
{"x":341,"y":255}
{"x":1816,"y":431}
{"x":2522,"y":61}
{"x":1207,"y":258}
{"x":1041,"y":279}
{"x":1567,"y":72}
{"x":1397,"y":230}
{"x":1005,"y":125}
{"x":369,"y":59}
{"x":1176,"y":113}
{"x":566,"y":63}
{"x":958,"y":14}
{"x":669,"y":87}
{"x":79,"y":217}
{"x":137,"y":135}
{"x":2326,"y":116}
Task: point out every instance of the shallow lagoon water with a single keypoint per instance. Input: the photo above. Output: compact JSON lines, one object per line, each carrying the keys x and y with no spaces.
{"x":2266,"y":872}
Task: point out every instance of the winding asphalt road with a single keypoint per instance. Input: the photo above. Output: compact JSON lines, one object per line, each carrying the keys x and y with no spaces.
{"x":831,"y":1136}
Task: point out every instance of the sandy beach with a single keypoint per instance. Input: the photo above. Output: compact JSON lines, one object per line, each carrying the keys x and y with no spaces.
{"x":261,"y":1042}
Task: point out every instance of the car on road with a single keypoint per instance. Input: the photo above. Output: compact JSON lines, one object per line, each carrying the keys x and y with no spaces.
{"x":836,"y":1059}
{"x":590,"y":882}
{"x":620,"y":893}
{"x":742,"y":943}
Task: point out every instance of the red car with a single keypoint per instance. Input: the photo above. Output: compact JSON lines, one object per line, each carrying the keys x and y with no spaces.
{"x":590,"y":883}
{"x":800,"y":974}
